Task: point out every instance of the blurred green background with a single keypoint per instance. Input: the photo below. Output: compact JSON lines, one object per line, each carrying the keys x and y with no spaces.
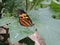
{"x":45,"y":14}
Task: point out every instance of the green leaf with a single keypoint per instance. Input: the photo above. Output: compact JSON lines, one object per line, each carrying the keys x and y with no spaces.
{"x":55,"y":6}
{"x":48,"y":27}
{"x":0,"y":0}
{"x":5,"y":20}
{"x":18,"y":32}
{"x":56,"y":15}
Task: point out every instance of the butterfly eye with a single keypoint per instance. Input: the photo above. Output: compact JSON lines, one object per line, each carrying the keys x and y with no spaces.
{"x":25,"y":16}
{"x":21,"y":17}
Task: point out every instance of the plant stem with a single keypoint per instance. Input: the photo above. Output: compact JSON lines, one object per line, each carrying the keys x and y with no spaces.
{"x":26,"y":5}
{"x":34,"y":5}
{"x":12,"y":7}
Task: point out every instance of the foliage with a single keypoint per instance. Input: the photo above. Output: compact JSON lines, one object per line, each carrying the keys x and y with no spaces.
{"x":55,"y":6}
{"x":47,"y":26}
{"x":11,"y":6}
{"x":56,"y":15}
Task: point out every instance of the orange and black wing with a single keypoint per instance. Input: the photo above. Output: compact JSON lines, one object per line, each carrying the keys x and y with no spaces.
{"x":24,"y":19}
{"x":26,"y":22}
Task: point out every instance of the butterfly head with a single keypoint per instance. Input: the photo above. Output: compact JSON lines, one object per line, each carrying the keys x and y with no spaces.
{"x":22,"y":14}
{"x":20,"y":11}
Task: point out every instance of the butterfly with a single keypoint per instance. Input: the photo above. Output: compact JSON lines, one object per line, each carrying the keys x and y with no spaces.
{"x":24,"y":19}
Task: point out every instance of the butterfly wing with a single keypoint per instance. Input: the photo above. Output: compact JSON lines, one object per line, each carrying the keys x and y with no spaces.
{"x":24,"y":19}
{"x":25,"y":22}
